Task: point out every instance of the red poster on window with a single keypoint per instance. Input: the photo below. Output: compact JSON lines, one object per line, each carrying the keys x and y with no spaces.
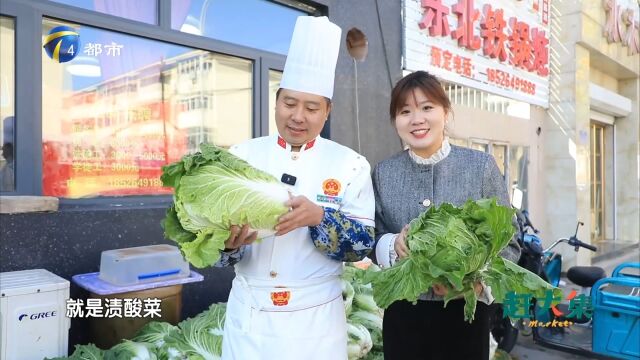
{"x":128,"y":160}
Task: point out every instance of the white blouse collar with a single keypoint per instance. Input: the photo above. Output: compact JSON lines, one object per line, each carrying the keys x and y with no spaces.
{"x":442,"y":153}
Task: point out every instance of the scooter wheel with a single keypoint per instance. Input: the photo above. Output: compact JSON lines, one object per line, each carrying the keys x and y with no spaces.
{"x":523,"y":327}
{"x":506,"y":335}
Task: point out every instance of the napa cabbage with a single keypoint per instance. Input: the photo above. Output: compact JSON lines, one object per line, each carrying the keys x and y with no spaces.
{"x":213,"y":189}
{"x":457,"y":247}
{"x":201,"y":336}
{"x":131,"y":350}
{"x":84,"y":352}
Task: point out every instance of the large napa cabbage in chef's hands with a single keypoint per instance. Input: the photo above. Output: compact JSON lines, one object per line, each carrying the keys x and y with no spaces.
{"x":213,"y":189}
{"x":457,"y":247}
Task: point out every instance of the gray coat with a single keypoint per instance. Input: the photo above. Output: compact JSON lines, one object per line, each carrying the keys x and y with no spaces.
{"x":401,"y":187}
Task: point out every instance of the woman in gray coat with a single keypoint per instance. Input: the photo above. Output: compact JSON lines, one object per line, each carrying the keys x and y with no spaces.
{"x":428,"y":173}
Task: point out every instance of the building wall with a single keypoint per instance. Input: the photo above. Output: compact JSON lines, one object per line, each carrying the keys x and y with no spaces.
{"x":375,"y":77}
{"x":627,"y":155}
{"x":579,"y":35}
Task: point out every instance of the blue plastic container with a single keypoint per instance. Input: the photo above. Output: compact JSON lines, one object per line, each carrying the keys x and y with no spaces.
{"x":106,"y":331}
{"x":616,"y":317}
{"x":92,"y":283}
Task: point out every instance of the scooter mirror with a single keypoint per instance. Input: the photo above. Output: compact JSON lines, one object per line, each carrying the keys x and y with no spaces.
{"x":516,"y":198}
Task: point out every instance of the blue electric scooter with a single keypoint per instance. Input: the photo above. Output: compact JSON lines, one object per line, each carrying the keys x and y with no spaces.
{"x":613,"y":330}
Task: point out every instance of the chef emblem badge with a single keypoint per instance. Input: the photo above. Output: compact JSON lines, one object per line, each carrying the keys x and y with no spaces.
{"x":280,"y":298}
{"x":331,"y":189}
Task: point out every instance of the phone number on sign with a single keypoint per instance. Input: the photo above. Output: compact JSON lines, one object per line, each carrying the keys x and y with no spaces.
{"x":141,"y":182}
{"x":507,"y":80}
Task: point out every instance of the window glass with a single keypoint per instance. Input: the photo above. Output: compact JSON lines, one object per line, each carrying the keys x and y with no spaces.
{"x":479,"y":99}
{"x":484,"y":147}
{"x":459,"y":142}
{"x":7,"y":104}
{"x":125,"y":106}
{"x":518,"y":172}
{"x":500,"y":154}
{"x":140,"y":10}
{"x":597,"y":181}
{"x":274,"y":84}
{"x":259,"y":24}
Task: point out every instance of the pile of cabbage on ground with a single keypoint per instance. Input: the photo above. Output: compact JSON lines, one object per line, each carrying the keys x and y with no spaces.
{"x":200,"y":337}
{"x":364,"y":317}
{"x":197,"y":338}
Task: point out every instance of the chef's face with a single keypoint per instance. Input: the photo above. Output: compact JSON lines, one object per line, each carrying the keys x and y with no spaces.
{"x":420,"y":123}
{"x":300,"y":116}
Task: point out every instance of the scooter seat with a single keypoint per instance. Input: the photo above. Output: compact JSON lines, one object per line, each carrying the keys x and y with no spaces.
{"x":585,"y":276}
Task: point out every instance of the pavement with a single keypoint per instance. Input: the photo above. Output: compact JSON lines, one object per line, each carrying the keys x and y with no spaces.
{"x":527,"y":349}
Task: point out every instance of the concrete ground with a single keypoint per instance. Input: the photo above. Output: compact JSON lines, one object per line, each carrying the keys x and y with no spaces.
{"x":526,"y":349}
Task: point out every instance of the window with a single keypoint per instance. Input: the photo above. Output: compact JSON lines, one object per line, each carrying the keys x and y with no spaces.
{"x":479,"y":145}
{"x":114,"y":118}
{"x":259,"y":24}
{"x":139,"y":10}
{"x":459,"y":142}
{"x":7,"y":103}
{"x":512,"y":160}
{"x":477,"y":99}
{"x":518,"y":174}
{"x":274,"y":84}
{"x":597,"y":181}
{"x":499,"y":152}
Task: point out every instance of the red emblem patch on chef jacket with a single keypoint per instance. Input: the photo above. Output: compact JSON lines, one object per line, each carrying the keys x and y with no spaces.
{"x":331,"y":187}
{"x":280,"y":298}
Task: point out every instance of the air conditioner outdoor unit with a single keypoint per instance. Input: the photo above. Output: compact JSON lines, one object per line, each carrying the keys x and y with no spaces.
{"x":33,"y":322}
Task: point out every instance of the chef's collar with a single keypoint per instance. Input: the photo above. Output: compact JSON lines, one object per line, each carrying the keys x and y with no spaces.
{"x":282,"y":143}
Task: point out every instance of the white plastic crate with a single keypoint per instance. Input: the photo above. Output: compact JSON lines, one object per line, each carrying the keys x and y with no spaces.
{"x":142,"y":264}
{"x":33,"y":315}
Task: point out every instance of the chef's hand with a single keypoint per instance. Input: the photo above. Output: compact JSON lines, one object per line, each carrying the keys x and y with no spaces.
{"x":239,"y":236}
{"x":442,"y":290}
{"x":303,"y":213}
{"x":400,"y":245}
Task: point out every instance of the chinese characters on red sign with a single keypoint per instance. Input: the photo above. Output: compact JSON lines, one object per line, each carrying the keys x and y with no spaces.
{"x":528,"y":47}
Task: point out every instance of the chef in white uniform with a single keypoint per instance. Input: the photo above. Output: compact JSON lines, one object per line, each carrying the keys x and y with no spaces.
{"x":285,"y":302}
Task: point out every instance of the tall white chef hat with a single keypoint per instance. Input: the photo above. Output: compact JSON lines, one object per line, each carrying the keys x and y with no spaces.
{"x":312,"y":57}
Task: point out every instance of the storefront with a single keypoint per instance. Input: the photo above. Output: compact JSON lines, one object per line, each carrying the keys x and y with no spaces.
{"x":134,"y":85}
{"x":553,"y":97}
{"x":591,"y":131}
{"x":151,"y":79}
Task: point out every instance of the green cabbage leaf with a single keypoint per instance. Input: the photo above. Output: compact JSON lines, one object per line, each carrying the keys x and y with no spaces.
{"x":457,"y":247}
{"x":213,"y":189}
{"x":84,"y":352}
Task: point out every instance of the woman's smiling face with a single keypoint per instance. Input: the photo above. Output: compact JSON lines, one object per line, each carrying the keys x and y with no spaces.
{"x":420,"y":123}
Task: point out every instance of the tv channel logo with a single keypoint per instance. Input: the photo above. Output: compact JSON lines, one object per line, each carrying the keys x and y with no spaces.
{"x":62,"y":43}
